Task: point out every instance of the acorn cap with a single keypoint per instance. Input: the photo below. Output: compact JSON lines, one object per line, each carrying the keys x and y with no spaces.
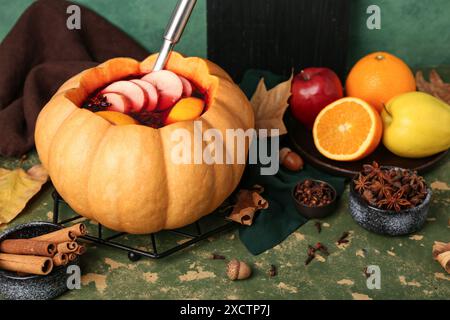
{"x":238,"y":270}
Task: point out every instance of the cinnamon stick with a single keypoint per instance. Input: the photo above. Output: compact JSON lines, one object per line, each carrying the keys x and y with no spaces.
{"x":78,"y":229}
{"x":444,"y":260}
{"x":64,"y":235}
{"x":80,"y":250}
{"x":28,"y":247}
{"x":60,"y":259}
{"x":72,"y":256}
{"x":440,"y":247}
{"x":67,"y":247}
{"x":26,"y":264}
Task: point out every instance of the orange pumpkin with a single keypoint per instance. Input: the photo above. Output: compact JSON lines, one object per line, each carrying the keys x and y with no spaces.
{"x":123,"y":176}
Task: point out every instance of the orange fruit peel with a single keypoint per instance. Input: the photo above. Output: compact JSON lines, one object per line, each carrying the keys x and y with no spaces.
{"x":348,"y":129}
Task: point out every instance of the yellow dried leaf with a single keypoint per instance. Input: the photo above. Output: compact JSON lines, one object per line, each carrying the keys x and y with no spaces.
{"x":270,"y":105}
{"x":17,"y":187}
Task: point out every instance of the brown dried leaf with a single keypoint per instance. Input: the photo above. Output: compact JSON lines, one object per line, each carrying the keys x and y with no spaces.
{"x":248,"y":202}
{"x":435,"y":78}
{"x":17,"y":187}
{"x":436,"y":86}
{"x":270,"y":105}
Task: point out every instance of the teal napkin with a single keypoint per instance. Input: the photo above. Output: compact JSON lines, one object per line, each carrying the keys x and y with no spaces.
{"x":272,"y":225}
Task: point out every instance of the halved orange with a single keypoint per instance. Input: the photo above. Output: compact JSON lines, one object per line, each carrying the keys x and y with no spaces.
{"x":347,"y":129}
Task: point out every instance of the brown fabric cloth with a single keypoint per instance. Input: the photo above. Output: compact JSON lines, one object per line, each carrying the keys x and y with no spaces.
{"x":39,"y":54}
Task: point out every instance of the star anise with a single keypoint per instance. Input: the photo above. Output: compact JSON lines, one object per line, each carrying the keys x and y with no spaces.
{"x":417,"y":182}
{"x":368,"y":196}
{"x":362,"y":183}
{"x":381,"y":189}
{"x":390,"y":188}
{"x":395,"y":202}
{"x":372,"y":170}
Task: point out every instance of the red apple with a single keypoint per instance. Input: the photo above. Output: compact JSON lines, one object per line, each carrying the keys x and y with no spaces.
{"x":312,"y":90}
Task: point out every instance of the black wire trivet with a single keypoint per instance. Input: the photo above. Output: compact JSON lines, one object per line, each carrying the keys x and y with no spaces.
{"x":135,"y":254}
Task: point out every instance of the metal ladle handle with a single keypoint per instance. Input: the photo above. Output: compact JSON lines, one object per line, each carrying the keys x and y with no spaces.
{"x":174,"y":30}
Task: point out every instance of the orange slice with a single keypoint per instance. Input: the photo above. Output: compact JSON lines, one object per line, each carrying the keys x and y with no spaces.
{"x":117,"y":118}
{"x":186,"y":109}
{"x":347,"y":129}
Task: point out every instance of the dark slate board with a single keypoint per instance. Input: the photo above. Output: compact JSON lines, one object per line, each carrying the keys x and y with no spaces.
{"x":278,"y":35}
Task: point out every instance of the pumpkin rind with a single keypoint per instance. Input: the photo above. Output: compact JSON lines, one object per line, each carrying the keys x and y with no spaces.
{"x":122,"y":176}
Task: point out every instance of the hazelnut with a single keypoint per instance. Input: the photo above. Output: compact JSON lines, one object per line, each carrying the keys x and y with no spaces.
{"x":238,"y":270}
{"x":290,"y":160}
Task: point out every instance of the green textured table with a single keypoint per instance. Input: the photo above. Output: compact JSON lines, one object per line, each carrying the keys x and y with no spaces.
{"x":407,"y":268}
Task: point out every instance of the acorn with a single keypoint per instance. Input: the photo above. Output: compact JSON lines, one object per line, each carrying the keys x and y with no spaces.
{"x":290,"y":160}
{"x":238,"y":270}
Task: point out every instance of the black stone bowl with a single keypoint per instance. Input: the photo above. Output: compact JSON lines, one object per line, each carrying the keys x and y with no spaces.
{"x":388,"y":222}
{"x":315,"y":212}
{"x":33,"y":287}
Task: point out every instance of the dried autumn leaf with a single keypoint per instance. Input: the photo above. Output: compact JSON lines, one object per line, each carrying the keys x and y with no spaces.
{"x":270,"y":105}
{"x":17,"y":187}
{"x":436,"y":86}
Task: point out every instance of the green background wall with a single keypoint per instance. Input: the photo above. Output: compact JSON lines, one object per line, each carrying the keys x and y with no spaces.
{"x":415,"y":30}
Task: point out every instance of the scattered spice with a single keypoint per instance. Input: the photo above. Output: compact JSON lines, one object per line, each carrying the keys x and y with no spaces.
{"x":343,"y":238}
{"x":319,"y":246}
{"x":318,"y":226}
{"x":313,"y":193}
{"x":311,"y":254}
{"x":390,"y":188}
{"x":366,"y":272}
{"x":309,"y":259}
{"x":216,"y":256}
{"x":273,"y":271}
{"x":97,"y":103}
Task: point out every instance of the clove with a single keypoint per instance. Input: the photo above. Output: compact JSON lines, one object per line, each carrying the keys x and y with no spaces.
{"x":366,"y":273}
{"x":216,"y":256}
{"x":273,"y":271}
{"x":311,"y":254}
{"x":343,"y":238}
{"x":322,"y":248}
{"x":318,"y":226}
{"x":309,"y":259}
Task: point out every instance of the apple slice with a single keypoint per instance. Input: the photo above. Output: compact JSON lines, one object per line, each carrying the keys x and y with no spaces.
{"x":169,"y":86}
{"x":151,"y":91}
{"x":132,"y":91}
{"x":187,"y":87}
{"x":118,"y":102}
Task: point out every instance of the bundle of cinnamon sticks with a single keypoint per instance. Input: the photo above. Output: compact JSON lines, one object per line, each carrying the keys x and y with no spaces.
{"x":441,"y":253}
{"x":40,"y":254}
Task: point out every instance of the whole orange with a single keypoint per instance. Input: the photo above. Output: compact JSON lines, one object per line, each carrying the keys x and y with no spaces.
{"x":378,"y":77}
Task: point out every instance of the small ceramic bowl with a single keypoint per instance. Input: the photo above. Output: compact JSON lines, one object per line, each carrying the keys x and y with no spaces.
{"x":315,"y":212}
{"x":387,"y":222}
{"x":33,"y":287}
